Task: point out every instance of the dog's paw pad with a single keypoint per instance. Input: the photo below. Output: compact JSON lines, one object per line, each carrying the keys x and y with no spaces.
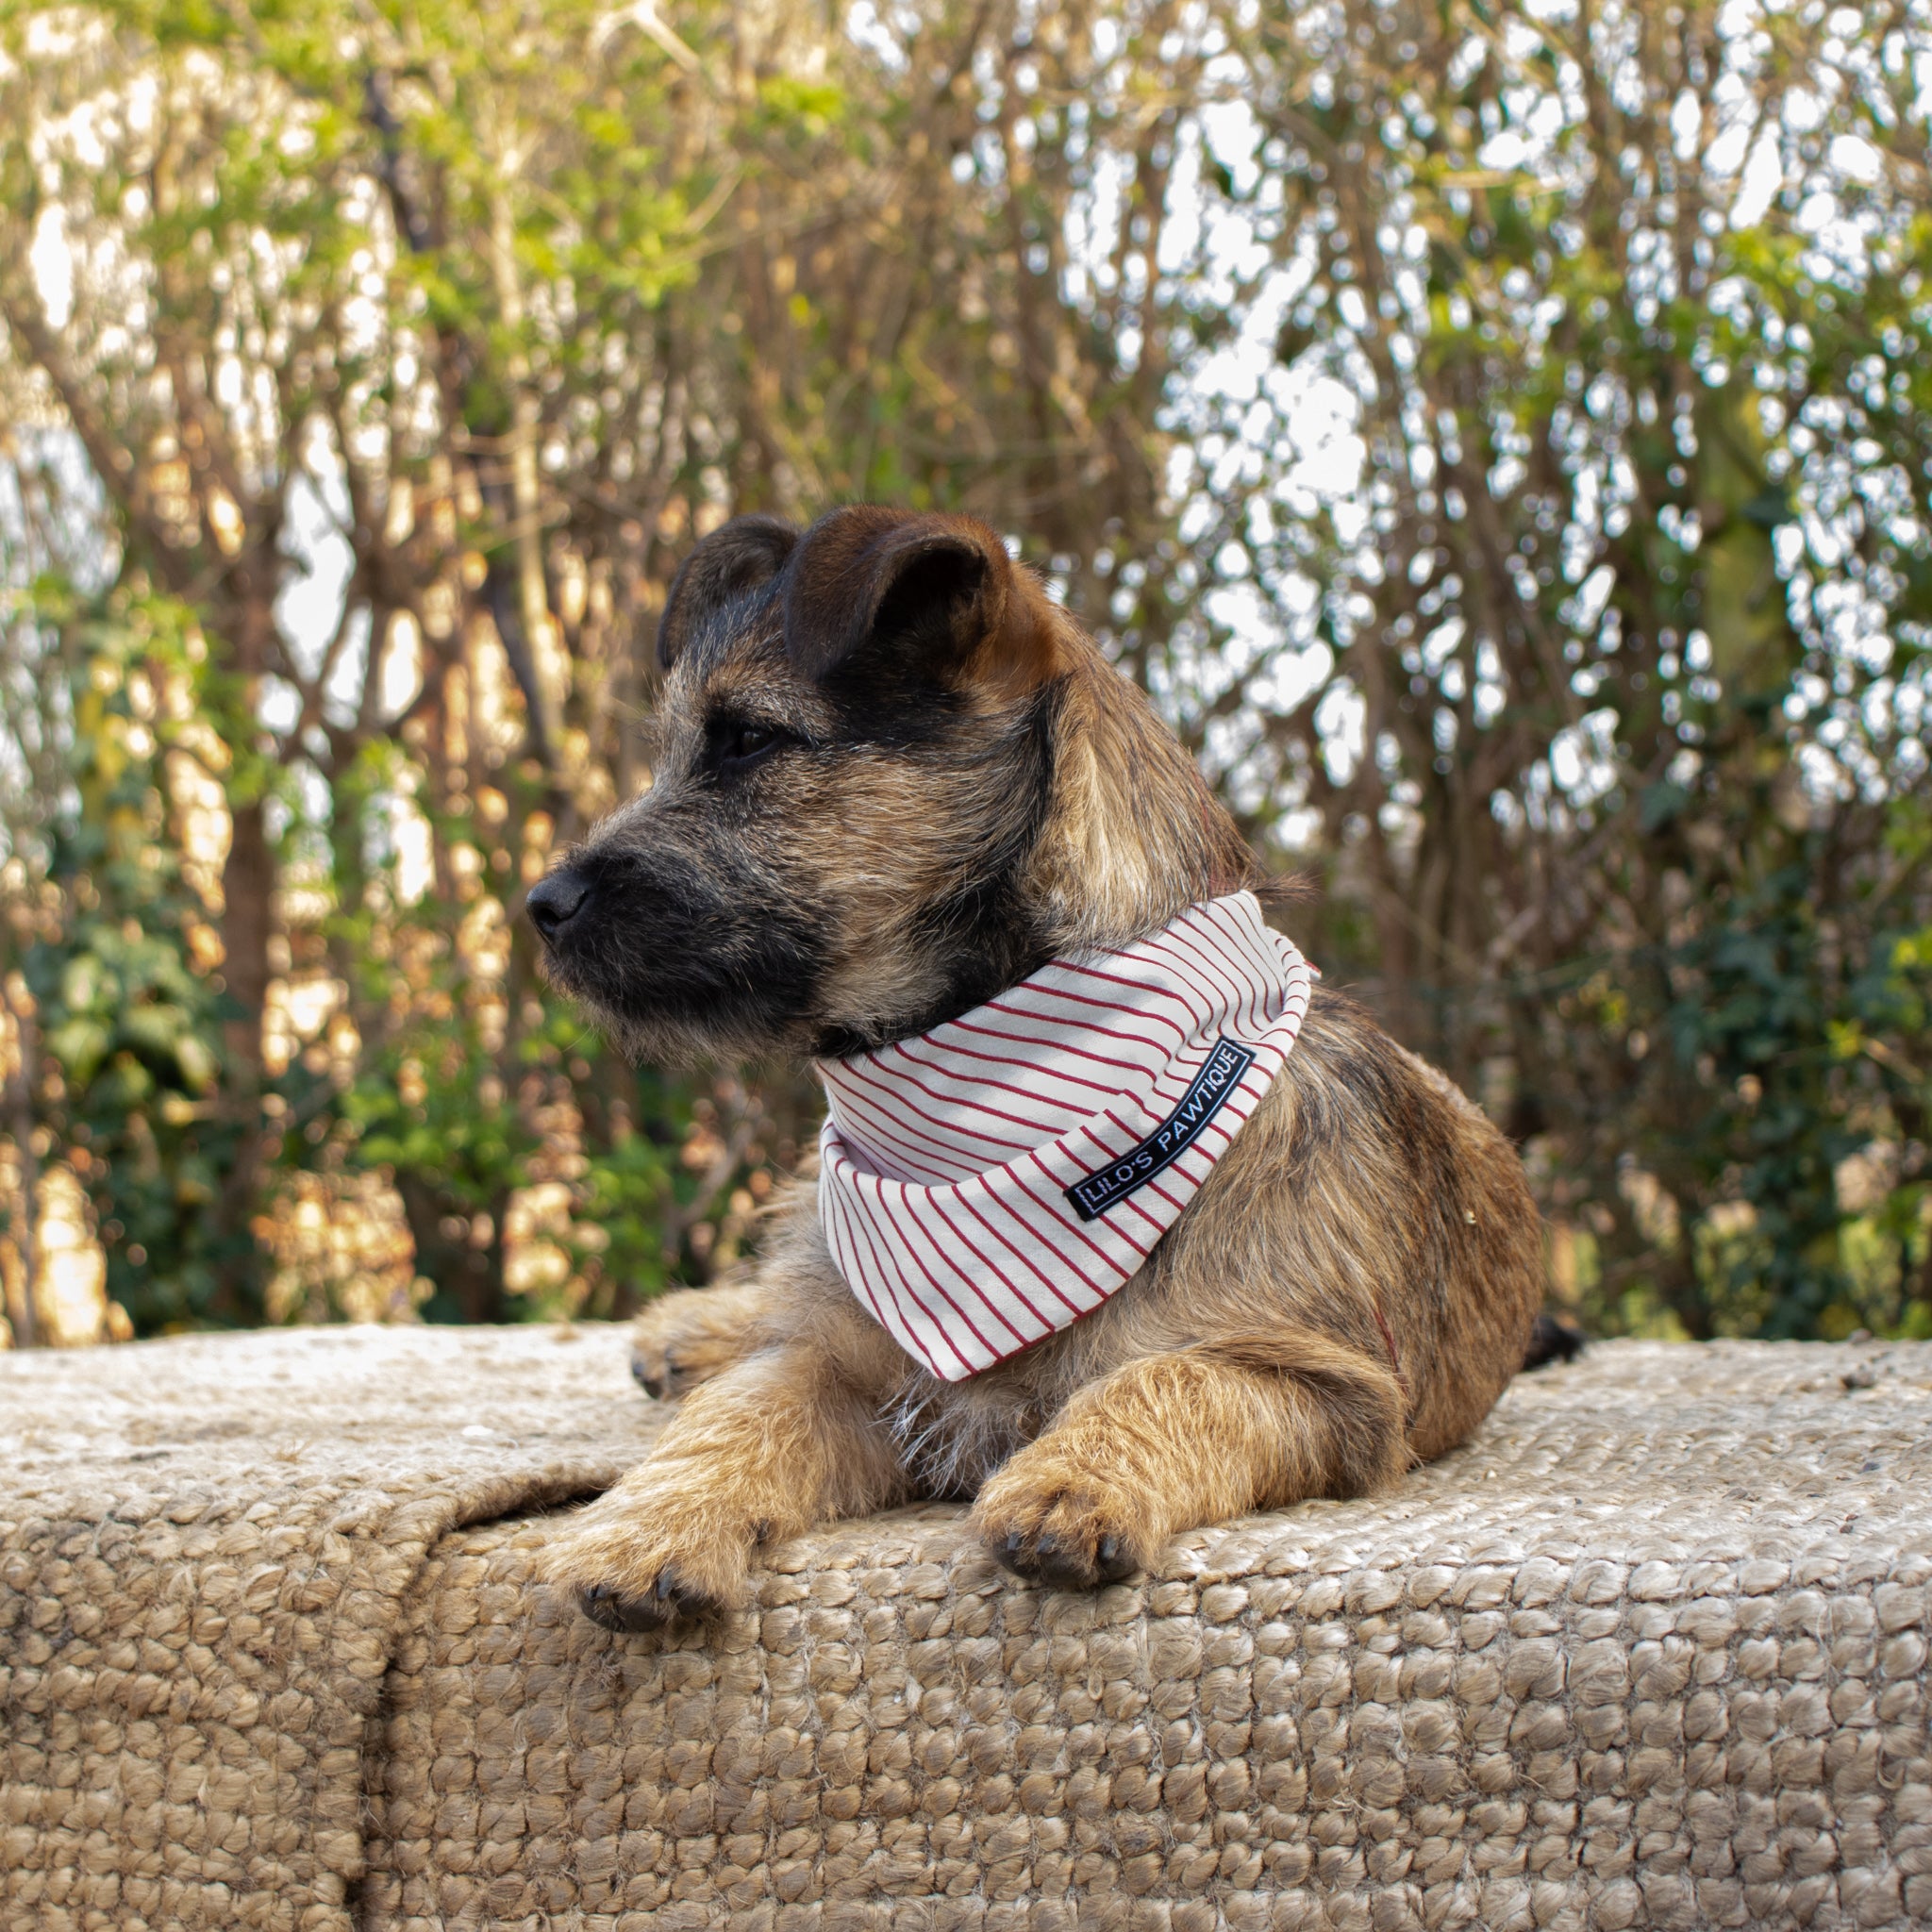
{"x":654,"y":1371}
{"x":669,"y":1599}
{"x":669,"y":1370}
{"x":613,"y":1611}
{"x":1066,"y":1545}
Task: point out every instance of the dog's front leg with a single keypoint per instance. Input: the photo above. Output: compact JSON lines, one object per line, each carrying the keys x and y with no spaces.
{"x":1170,"y":1441}
{"x":772,"y":1444}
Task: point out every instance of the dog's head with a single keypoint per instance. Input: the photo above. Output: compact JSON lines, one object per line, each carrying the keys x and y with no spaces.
{"x":867,"y":812}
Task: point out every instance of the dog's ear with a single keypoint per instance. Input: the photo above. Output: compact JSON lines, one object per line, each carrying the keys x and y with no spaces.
{"x":883,"y":581}
{"x":736,"y":558}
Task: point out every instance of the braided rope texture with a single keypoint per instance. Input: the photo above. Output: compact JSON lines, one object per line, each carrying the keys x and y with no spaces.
{"x":1650,"y":1652}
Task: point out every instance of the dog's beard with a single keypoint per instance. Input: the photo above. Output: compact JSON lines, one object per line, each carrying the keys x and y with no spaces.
{"x":644,"y":1041}
{"x":676,"y":968}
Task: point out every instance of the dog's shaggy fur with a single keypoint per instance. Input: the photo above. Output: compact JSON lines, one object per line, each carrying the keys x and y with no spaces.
{"x":894,"y":780}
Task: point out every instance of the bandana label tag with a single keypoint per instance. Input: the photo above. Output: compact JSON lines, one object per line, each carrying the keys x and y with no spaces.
{"x":1092,"y":1195}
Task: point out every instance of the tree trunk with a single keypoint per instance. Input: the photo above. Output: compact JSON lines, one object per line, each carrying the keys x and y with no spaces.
{"x":247,"y":890}
{"x":20,"y":1119}
{"x":248,"y":885}
{"x":467,"y":1279}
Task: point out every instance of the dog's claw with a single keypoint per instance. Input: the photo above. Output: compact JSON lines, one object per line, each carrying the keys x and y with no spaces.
{"x":663,"y":1381}
{"x":1060,"y":1568}
{"x":662,"y":1603}
{"x":610,"y":1610}
{"x":1045,"y":1559}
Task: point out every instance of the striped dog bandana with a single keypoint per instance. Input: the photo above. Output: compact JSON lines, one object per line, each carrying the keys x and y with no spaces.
{"x":990,"y":1182}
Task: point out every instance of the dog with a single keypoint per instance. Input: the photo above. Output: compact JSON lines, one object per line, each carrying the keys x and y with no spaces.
{"x":899,"y":787}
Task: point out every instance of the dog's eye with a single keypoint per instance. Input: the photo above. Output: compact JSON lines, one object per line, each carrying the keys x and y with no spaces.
{"x":741,"y":742}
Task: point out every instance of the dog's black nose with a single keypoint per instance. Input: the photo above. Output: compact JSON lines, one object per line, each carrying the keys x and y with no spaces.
{"x":555,"y":902}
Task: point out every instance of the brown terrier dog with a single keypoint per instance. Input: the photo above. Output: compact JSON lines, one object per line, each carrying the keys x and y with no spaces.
{"x":896,"y":780}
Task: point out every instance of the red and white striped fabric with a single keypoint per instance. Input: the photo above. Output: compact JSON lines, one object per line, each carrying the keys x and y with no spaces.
{"x":990,"y":1182}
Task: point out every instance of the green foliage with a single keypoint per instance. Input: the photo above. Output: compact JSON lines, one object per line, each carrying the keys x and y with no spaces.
{"x":626,"y":1190}
{"x":1622,"y":647}
{"x":1775,"y":1051}
{"x":132,"y":1029}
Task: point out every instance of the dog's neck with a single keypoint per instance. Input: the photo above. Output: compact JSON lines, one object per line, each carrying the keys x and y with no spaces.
{"x":992,"y":1181}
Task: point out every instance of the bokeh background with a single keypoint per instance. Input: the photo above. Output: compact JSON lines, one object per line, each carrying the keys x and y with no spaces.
{"x":1496,"y":434}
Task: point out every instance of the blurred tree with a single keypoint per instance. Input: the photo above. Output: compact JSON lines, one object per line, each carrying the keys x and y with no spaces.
{"x":131,"y":1033}
{"x":1496,"y":435}
{"x":1616,"y":703}
{"x":275,"y":337}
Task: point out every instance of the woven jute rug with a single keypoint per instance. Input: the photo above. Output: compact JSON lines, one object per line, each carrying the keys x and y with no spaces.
{"x":1650,"y":1652}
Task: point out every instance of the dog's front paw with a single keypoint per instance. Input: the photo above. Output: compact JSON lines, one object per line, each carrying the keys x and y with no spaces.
{"x":666,"y":1602}
{"x":684,"y":1339}
{"x":635,"y":1568}
{"x":1060,"y":1526}
{"x":659,"y":1369}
